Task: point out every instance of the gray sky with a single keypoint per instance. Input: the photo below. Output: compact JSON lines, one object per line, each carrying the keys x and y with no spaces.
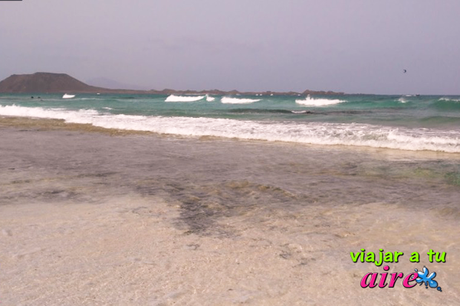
{"x":356,"y":46}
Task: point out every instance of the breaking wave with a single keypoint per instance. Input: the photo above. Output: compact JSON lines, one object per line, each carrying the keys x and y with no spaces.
{"x":449,"y":99}
{"x":447,"y":104}
{"x":174,"y":98}
{"x":308,"y":101}
{"x":309,"y":133}
{"x":229,"y":100}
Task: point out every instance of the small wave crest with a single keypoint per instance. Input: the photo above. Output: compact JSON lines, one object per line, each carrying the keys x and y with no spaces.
{"x":446,"y":104}
{"x":449,"y":99}
{"x":228,"y":100}
{"x":174,"y":98}
{"x":402,"y":100}
{"x":209,"y":98}
{"x":310,"y":133}
{"x":308,"y":101}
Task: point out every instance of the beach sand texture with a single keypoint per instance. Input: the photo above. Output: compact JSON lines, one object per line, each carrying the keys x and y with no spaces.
{"x":90,"y":216}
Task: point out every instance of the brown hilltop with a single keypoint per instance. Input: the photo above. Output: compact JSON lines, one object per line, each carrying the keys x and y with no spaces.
{"x":45,"y":82}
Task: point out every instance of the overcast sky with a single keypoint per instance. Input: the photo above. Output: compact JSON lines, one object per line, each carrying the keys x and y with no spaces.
{"x":355,"y":46}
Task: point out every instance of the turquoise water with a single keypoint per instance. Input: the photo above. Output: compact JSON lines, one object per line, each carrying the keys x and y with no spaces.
{"x":401,"y":122}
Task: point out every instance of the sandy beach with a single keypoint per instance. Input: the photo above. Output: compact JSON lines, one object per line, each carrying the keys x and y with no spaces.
{"x":92,"y":216}
{"x":215,"y":153}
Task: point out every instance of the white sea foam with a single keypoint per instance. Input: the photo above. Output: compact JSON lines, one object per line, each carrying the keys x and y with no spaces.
{"x":229,"y":100}
{"x":174,"y":98}
{"x":449,"y":99}
{"x":209,"y":98}
{"x":311,"y":133}
{"x":308,"y":101}
{"x":402,"y":100}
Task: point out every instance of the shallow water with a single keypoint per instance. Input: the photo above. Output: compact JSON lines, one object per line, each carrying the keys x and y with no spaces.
{"x":414,"y":123}
{"x":273,"y":222}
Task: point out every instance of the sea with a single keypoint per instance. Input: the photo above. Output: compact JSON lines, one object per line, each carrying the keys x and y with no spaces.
{"x":278,"y":189}
{"x":404,"y":122}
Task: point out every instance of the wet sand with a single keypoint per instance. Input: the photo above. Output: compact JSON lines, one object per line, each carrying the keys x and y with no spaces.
{"x":91,"y":216}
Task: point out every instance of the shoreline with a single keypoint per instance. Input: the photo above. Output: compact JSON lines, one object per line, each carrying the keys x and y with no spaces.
{"x":87,"y":217}
{"x":47,"y":124}
{"x":43,"y":124}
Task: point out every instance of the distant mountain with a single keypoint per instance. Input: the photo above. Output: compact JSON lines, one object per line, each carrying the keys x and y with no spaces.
{"x":46,"y":82}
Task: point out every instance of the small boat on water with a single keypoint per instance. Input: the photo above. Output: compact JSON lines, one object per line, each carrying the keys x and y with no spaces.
{"x":66,"y":96}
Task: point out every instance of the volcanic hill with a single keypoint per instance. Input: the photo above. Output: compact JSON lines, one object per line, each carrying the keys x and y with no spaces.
{"x":45,"y":82}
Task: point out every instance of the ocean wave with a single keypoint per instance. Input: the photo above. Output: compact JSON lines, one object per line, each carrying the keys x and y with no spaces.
{"x":402,"y":100}
{"x":447,"y":104}
{"x":66,"y":96}
{"x":308,"y":101}
{"x":308,"y":133}
{"x":174,"y":98}
{"x":228,"y":100}
{"x":449,"y":99}
{"x":209,"y":98}
{"x":88,"y":99}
